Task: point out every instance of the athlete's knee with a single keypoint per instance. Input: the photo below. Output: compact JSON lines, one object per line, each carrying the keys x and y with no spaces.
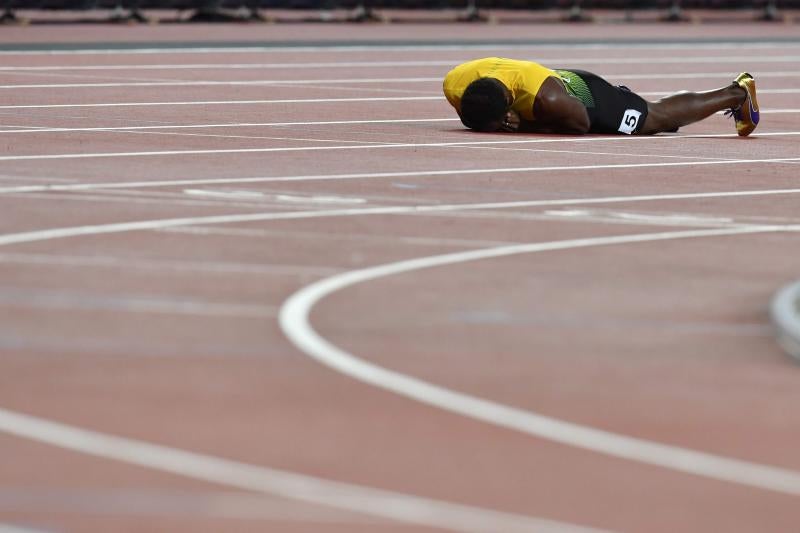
{"x":657,"y":120}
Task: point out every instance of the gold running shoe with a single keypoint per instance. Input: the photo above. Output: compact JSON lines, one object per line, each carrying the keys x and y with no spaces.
{"x":746,"y":115}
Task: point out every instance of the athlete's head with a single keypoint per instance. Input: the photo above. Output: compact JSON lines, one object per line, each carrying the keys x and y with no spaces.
{"x":484,"y":104}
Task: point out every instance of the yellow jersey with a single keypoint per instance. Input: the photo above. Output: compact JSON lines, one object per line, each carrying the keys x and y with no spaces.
{"x":522,"y":78}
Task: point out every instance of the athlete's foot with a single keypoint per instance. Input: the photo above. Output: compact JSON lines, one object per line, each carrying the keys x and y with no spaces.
{"x":746,"y":115}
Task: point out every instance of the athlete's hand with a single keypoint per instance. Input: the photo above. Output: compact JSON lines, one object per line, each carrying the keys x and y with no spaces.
{"x":511,"y":121}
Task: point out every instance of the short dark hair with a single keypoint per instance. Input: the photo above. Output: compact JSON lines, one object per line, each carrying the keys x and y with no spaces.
{"x":483,"y":104}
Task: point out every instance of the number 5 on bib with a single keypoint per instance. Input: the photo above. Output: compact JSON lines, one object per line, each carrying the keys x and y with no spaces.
{"x":629,"y":121}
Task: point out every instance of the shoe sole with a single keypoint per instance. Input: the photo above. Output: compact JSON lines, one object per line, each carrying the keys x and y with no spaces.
{"x":749,"y":110}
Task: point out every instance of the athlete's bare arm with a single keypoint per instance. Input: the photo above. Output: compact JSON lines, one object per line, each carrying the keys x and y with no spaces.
{"x":557,"y":111}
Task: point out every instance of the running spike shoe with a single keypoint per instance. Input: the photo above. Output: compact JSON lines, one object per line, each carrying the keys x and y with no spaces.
{"x":746,"y":115}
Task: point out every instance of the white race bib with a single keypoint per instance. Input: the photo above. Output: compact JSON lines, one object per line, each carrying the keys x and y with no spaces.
{"x":629,"y":121}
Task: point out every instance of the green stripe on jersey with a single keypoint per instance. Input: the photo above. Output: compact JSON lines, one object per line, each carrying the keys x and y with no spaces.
{"x":576,"y":87}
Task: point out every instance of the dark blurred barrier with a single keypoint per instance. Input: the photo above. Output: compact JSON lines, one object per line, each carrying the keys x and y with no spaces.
{"x":365,"y":10}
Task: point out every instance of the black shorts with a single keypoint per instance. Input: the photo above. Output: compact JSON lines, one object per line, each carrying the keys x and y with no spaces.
{"x":612,"y":109}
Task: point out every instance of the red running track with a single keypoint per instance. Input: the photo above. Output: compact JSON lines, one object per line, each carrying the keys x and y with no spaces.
{"x":581,"y":340}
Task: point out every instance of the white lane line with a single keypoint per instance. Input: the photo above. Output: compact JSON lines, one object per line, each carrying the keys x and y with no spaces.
{"x":149,"y":502}
{"x":382,"y":48}
{"x":35,"y":129}
{"x":274,"y":137}
{"x":683,"y":60}
{"x":602,"y":217}
{"x":165,"y":265}
{"x":294,"y":321}
{"x":709,"y":465}
{"x":39,"y":129}
{"x":595,"y":152}
{"x":226,"y":83}
{"x":12,"y":528}
{"x":760,"y":91}
{"x":685,"y":219}
{"x":456,"y":144}
{"x":349,"y":236}
{"x":325,"y":177}
{"x":122,"y":196}
{"x":82,"y":77}
{"x":15,"y":297}
{"x":305,"y":100}
{"x":357,"y":81}
{"x":240,"y":102}
{"x":285,"y":198}
{"x":364,"y":500}
{"x":253,"y":195}
{"x":145,"y":225}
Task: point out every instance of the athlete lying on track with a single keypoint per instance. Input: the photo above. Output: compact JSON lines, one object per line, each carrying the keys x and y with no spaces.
{"x":497,"y":94}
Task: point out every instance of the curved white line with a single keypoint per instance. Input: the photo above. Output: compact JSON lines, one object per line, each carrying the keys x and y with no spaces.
{"x":407,"y":508}
{"x":294,"y":321}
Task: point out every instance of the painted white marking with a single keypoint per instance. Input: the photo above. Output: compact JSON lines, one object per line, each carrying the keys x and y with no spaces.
{"x":37,"y":129}
{"x":569,"y":213}
{"x":205,"y":266}
{"x":683,"y":60}
{"x":225,"y":194}
{"x":34,"y":129}
{"x":781,"y":111}
{"x":760,"y":91}
{"x":272,"y":137}
{"x":84,"y":301}
{"x":238,"y":102}
{"x":318,"y":199}
{"x":604,"y":217}
{"x":173,"y":503}
{"x":375,"y":502}
{"x":357,"y":81}
{"x":294,"y":321}
{"x":225,"y":83}
{"x":120,"y":227}
{"x":650,"y":218}
{"x":299,"y":305}
{"x":698,"y":75}
{"x":11,"y":528}
{"x":36,"y":178}
{"x":250,"y":66}
{"x":306,"y":100}
{"x":380,"y":49}
{"x":121,"y":196}
{"x":677,"y":218}
{"x":323,"y":177}
{"x":294,"y":235}
{"x":276,"y":197}
{"x":156,"y":153}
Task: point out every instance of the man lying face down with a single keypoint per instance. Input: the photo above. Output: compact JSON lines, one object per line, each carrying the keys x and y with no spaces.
{"x":499,"y":94}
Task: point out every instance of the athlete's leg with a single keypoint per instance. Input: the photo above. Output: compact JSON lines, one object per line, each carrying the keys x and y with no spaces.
{"x":674,"y":111}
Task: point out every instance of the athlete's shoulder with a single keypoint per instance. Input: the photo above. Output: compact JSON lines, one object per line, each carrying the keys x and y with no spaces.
{"x":464,"y":71}
{"x":476,"y":63}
